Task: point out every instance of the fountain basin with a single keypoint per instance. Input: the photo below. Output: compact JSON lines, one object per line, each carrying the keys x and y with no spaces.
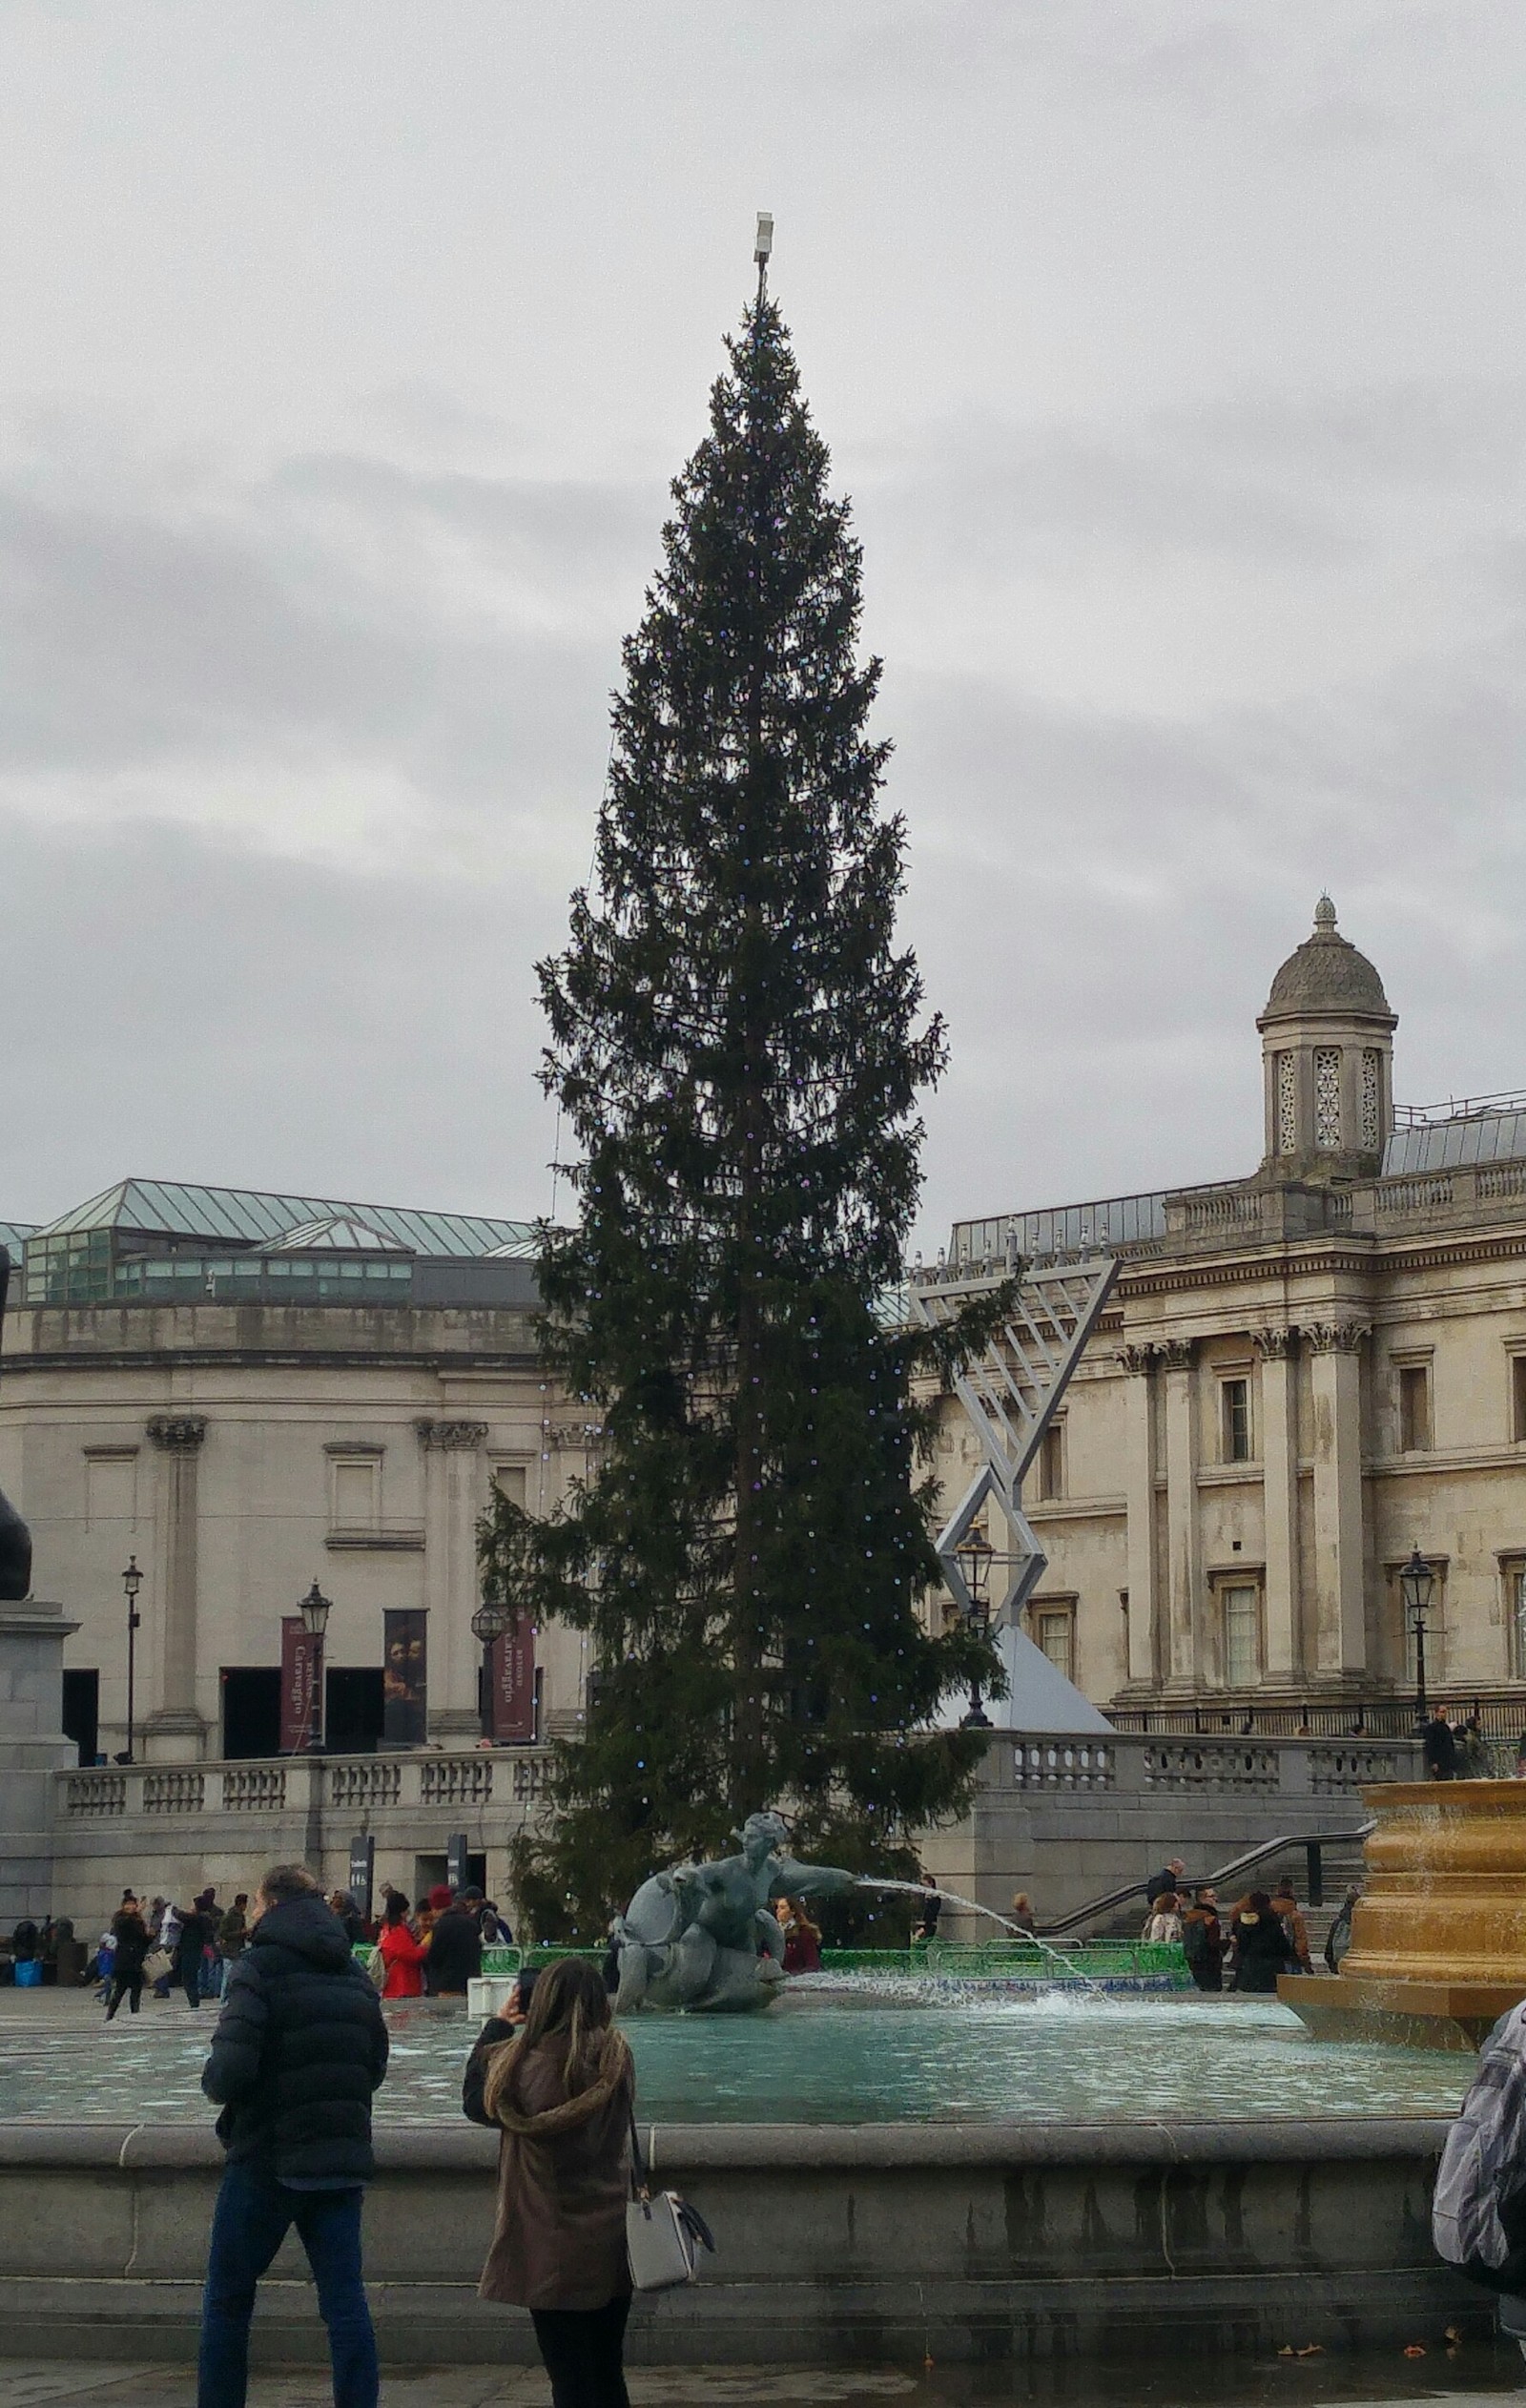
{"x":1164,"y":2239}
{"x":1439,"y":1938}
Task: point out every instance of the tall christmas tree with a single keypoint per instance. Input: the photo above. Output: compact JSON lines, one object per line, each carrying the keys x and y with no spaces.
{"x":734,"y":1045}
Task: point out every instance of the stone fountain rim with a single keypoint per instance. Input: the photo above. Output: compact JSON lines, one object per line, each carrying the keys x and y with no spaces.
{"x":424,"y":2147}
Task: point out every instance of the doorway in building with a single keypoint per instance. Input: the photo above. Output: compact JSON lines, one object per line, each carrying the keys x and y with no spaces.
{"x":432,"y":1872}
{"x":82,"y":1695}
{"x":251,"y":1709}
{"x":352,"y":1710}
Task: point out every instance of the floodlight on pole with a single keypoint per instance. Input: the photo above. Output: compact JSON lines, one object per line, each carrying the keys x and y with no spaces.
{"x":763,"y":250}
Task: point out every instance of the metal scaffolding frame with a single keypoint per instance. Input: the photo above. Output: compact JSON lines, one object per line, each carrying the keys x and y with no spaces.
{"x":1011,"y":1392}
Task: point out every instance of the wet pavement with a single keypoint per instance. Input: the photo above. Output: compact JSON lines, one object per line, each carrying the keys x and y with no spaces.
{"x":1383,"y":2378}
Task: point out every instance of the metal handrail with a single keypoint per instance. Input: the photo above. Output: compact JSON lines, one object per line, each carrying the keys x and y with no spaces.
{"x":1312,"y":1843}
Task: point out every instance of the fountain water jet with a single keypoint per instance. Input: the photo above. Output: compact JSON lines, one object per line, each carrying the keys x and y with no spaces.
{"x":1073,"y":1975}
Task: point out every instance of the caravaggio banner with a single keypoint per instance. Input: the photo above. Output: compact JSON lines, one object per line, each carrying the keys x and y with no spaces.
{"x":299,"y":1655}
{"x":513,"y":1670}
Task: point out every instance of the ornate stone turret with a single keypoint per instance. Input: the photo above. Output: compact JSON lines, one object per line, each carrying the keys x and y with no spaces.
{"x":1326,"y":1045}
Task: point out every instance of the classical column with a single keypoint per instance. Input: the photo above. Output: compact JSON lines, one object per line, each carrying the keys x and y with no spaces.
{"x":1182,"y":1547}
{"x":1278,"y":1349}
{"x":451,"y":1506}
{"x":173,"y":1729}
{"x":1340,"y":1607}
{"x":1138,"y":1485}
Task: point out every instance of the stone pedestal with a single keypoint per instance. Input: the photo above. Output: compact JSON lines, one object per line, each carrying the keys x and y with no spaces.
{"x":1438,"y":1938}
{"x":33,"y":1749}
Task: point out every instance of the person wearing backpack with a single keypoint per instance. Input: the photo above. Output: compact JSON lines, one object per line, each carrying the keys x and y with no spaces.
{"x":1202,"y":1941}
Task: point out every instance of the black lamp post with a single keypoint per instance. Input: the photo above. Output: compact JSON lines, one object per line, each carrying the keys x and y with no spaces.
{"x":976,"y":1552}
{"x":132,"y":1582}
{"x":1416,"y":1584}
{"x":314,"y":1609}
{"x":489,"y":1624}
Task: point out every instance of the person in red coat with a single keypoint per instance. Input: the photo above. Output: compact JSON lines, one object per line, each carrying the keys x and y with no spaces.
{"x":802,"y":1938}
{"x":402,"y":1954}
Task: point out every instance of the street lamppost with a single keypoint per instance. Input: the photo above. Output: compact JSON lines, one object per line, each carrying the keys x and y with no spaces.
{"x":976,"y":1552}
{"x":314,"y":1609}
{"x":489,"y":1624}
{"x":1416,"y":1584}
{"x":132,"y":1582}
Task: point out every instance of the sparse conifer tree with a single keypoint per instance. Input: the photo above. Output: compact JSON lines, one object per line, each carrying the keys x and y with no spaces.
{"x":736,"y":1048}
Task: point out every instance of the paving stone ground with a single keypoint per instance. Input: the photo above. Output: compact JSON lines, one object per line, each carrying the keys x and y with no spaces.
{"x":1373,"y":2382}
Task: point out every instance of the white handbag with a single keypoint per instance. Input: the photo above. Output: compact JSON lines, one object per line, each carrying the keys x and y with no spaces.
{"x":663,"y":2236}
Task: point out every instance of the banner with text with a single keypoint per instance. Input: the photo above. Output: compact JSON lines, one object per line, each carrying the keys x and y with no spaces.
{"x":299,"y":1674}
{"x":514,"y":1681}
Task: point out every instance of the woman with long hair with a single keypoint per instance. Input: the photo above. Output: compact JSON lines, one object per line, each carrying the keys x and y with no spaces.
{"x":562,"y":2093}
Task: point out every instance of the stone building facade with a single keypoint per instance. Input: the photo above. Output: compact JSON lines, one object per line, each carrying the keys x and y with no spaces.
{"x":1302,"y":1376}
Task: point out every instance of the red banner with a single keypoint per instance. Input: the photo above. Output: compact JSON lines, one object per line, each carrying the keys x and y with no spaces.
{"x":298,"y":1669}
{"x":513,"y":1662}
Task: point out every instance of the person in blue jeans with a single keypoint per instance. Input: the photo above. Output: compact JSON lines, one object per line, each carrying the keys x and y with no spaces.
{"x":300,"y":2050}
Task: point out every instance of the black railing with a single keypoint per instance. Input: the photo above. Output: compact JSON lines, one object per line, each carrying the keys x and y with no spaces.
{"x":1502,"y":1715}
{"x":1318,"y":1846}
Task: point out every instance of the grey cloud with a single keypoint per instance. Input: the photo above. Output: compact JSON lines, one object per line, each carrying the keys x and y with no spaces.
{"x":185,"y":1008}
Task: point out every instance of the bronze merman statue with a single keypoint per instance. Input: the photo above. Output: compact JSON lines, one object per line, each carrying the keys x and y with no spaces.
{"x":16,"y":1539}
{"x":702,"y":1937}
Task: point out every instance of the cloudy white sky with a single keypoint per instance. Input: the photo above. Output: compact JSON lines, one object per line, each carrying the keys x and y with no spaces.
{"x":1171,"y":349}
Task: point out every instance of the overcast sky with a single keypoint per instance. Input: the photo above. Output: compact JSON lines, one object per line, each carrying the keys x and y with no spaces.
{"x":1172,"y":351}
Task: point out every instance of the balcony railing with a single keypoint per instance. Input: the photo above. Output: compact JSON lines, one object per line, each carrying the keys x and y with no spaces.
{"x":362,"y":1785}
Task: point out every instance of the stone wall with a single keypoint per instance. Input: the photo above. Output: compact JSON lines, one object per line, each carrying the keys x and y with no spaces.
{"x":877,"y":2243}
{"x":1067,"y":1819}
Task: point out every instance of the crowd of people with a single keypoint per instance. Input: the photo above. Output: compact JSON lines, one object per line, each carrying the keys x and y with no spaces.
{"x":431,"y":1949}
{"x":1244,"y":1948}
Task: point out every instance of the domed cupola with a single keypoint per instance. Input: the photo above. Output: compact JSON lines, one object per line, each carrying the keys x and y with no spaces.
{"x":1327,"y":1046}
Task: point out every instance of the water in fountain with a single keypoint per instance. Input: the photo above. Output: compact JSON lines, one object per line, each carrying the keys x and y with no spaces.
{"x":1070,"y":1973}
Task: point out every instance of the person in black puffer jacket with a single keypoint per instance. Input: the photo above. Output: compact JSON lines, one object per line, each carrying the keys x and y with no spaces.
{"x":301,"y":2046}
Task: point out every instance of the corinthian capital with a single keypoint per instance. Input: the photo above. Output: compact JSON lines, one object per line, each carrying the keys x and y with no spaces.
{"x":1135,"y":1358}
{"x":1274,"y":1345}
{"x":178,"y":1433}
{"x":461,"y":1437}
{"x":1336,"y":1337}
{"x":1176,"y":1353}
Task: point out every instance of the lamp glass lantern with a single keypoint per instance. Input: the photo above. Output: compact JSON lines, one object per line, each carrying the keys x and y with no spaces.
{"x":314,"y":1609}
{"x":1416,"y":1581}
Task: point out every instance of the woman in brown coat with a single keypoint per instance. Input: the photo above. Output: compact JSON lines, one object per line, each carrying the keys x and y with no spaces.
{"x":563,"y":2094}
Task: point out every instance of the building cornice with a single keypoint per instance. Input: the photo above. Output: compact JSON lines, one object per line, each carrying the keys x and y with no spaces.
{"x":258,"y":1358}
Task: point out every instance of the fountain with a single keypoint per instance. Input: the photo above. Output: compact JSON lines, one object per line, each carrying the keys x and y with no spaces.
{"x":1439,"y":1938}
{"x":704,"y":1938}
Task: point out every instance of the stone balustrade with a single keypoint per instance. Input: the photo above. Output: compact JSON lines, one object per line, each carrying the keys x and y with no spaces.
{"x":358,"y":1783}
{"x":174,"y":1826}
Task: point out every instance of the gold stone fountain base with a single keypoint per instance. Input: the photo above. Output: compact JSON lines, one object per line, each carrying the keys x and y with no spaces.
{"x":1438,"y":1938}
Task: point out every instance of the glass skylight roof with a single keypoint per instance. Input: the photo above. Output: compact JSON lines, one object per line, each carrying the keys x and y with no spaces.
{"x":1449,"y":1145}
{"x":13,"y":1235}
{"x":245,"y":1216}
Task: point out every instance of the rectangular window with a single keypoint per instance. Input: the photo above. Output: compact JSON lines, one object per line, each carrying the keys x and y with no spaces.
{"x":355,"y":1493}
{"x":1236,"y":1407}
{"x":1052,"y":1461}
{"x":1414,"y":1408}
{"x":1054,"y":1629}
{"x":1517,"y":1397}
{"x":1242,"y":1637}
